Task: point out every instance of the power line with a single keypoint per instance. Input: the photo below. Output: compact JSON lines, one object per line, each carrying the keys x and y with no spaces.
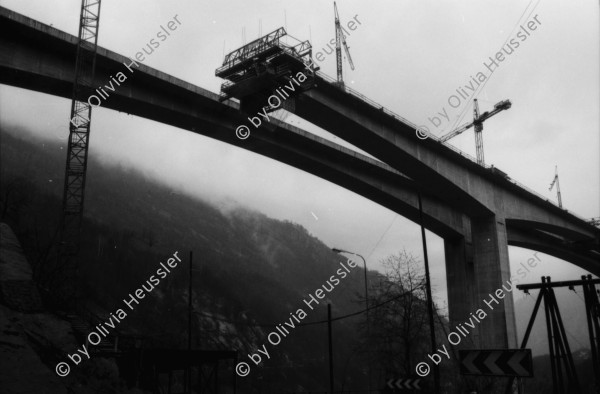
{"x":382,"y":235}
{"x":479,"y":88}
{"x":269,"y":325}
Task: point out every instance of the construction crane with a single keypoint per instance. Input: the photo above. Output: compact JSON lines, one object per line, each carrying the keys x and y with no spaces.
{"x":555,"y":181}
{"x":79,"y":127}
{"x":77,"y":155}
{"x":340,"y":39}
{"x":478,"y":123}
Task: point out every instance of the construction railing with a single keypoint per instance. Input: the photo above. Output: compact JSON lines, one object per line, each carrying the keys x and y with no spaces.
{"x":399,"y":118}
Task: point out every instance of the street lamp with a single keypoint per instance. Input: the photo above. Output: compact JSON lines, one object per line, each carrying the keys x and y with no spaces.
{"x":339,"y":251}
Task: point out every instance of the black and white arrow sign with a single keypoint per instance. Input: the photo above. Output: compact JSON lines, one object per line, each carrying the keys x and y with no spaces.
{"x":507,"y":362}
{"x":404,"y":383}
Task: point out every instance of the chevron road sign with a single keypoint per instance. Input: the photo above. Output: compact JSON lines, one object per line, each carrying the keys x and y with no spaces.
{"x":404,"y":384}
{"x":505,"y":362}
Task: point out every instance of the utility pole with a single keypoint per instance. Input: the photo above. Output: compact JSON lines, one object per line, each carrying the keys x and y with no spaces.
{"x":436,"y":371}
{"x":330,"y":349}
{"x":189,"y":357}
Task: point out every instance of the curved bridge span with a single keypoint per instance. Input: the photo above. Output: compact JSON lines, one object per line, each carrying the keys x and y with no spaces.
{"x":478,"y":211}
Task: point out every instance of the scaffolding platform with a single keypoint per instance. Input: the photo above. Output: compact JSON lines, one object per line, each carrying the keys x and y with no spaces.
{"x":254,"y":71}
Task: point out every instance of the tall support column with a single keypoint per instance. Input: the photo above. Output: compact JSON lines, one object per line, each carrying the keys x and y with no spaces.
{"x":460,"y":277}
{"x":476,"y":266}
{"x":491,"y":271}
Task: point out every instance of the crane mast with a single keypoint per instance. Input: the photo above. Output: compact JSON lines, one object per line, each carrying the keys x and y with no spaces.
{"x":77,"y":145}
{"x":338,"y":43}
{"x":347,"y":53}
{"x":477,"y":123}
{"x":340,"y":40}
{"x":79,"y":126}
{"x":478,"y":127}
{"x":555,"y":181}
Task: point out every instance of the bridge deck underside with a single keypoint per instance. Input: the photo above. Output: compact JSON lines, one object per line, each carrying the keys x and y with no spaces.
{"x":40,"y":58}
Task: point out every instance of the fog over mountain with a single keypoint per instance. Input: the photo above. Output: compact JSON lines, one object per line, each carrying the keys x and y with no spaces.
{"x":459,"y":37}
{"x":262,"y":231}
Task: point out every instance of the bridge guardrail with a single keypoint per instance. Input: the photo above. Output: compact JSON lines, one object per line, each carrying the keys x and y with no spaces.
{"x":393,"y":114}
{"x":435,"y":138}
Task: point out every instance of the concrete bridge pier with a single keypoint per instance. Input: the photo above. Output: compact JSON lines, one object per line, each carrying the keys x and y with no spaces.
{"x":476,"y":267}
{"x":492,"y":282}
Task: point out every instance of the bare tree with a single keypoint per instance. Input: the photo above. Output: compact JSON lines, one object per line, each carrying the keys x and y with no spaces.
{"x":398,"y":333}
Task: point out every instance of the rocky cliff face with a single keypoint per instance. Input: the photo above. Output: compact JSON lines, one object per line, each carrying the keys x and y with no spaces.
{"x":17,"y":289}
{"x":33,"y":340}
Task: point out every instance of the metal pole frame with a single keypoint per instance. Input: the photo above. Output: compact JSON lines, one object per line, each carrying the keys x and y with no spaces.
{"x":557,"y":336}
{"x":563,"y":343}
{"x":592,"y":311}
{"x":527,"y":333}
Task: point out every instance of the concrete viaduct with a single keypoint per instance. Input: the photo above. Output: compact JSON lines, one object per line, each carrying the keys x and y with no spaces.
{"x":478,"y":211}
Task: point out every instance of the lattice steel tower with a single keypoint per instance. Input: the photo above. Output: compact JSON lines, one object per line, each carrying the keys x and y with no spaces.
{"x":79,"y":127}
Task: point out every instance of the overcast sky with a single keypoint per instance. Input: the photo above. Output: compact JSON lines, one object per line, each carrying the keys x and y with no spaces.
{"x":410,"y":56}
